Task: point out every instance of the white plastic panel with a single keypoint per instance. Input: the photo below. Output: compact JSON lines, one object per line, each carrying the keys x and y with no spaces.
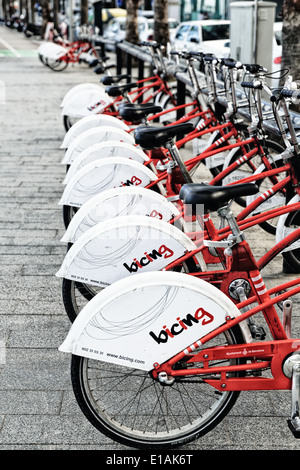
{"x":103,"y":174}
{"x":119,"y":202}
{"x":93,"y":136}
{"x":122,"y":247}
{"x":105,"y":150}
{"x":86,"y":102}
{"x":127,"y":324}
{"x":88,"y":122}
{"x":80,"y":87}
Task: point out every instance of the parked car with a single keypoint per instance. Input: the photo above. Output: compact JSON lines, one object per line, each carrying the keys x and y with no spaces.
{"x":208,"y":36}
{"x":116,"y":29}
{"x":147,"y":32}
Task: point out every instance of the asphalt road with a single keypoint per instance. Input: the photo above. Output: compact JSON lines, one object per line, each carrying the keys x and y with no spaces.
{"x":37,"y":408}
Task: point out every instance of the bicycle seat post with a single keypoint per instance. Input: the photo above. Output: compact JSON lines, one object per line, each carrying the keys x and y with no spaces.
{"x":227,"y":214}
{"x":170,"y":145}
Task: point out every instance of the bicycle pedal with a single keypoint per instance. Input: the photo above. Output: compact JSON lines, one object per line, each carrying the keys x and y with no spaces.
{"x":294,"y":426}
{"x":257,"y":332}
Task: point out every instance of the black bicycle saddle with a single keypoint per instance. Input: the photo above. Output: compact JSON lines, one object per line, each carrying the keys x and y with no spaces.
{"x":132,"y":112}
{"x":118,"y":90}
{"x":214,"y":197}
{"x":110,"y":80}
{"x":154,"y":137}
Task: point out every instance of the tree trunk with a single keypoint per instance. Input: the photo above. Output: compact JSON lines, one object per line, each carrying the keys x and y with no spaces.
{"x":290,"y":41}
{"x":55,"y":14}
{"x":46,"y":16}
{"x":132,"y":33}
{"x":161,"y":25}
{"x":290,"y":37}
{"x":84,"y":15}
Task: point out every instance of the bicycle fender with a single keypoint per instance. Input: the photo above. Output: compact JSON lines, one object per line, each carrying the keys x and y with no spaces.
{"x":122,"y":247}
{"x":93,"y":136}
{"x":81,"y":87}
{"x":145,"y":323}
{"x":88,"y":122}
{"x":282,"y":231}
{"x":107,"y":149}
{"x":103,"y":174}
{"x":119,"y":202}
{"x":52,"y":51}
{"x":86,"y":102}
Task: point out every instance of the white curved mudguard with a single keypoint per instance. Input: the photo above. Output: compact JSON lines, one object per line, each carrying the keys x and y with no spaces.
{"x":103,"y":174}
{"x":88,"y":122}
{"x":52,"y":51}
{"x":86,"y":102}
{"x":93,"y":136}
{"x":149,"y":321}
{"x":107,"y":149}
{"x":121,"y":247}
{"x":282,"y":231}
{"x":80,"y":87}
{"x":118,"y":202}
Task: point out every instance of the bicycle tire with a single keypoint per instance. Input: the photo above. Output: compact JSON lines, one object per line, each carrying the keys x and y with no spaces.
{"x":150,"y":415}
{"x":269,"y":226}
{"x":269,"y":145}
{"x":68,"y":122}
{"x":292,"y":257}
{"x":68,"y":213}
{"x":56,"y":65}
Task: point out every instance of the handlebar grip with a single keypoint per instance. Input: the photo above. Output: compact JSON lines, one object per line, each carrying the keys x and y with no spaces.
{"x":231,"y":63}
{"x":257,"y":84}
{"x":285,"y":93}
{"x":210,"y":58}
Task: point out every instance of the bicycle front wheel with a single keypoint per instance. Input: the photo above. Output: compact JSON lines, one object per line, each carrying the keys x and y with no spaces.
{"x":133,"y":408}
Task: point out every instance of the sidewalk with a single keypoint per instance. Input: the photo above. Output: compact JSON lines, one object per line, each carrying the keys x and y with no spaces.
{"x":37,"y":406}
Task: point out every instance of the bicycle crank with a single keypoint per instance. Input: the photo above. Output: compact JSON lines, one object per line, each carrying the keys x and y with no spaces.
{"x":291,"y":369}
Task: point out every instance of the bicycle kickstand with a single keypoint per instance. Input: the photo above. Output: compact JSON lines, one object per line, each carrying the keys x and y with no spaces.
{"x":292,"y":370}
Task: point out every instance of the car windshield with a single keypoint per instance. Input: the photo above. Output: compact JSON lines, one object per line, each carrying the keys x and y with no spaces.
{"x":182,"y":32}
{"x":212,"y":32}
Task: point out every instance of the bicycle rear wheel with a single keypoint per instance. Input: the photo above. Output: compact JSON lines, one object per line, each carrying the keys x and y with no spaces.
{"x":292,"y":256}
{"x":56,"y":65}
{"x":133,"y":408}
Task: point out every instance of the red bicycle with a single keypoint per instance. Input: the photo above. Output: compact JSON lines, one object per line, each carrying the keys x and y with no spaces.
{"x":124,"y":394}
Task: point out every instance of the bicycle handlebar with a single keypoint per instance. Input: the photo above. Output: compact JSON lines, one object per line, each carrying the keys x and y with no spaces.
{"x":284,"y":93}
{"x":254,"y":68}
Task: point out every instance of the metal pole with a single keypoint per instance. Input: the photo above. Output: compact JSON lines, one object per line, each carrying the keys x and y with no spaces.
{"x":71,"y":21}
{"x":255,"y":30}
